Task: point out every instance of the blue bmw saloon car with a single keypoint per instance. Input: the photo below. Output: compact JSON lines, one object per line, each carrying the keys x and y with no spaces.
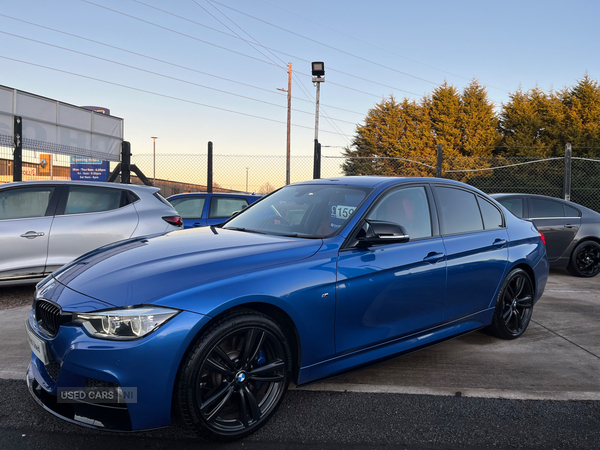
{"x":316,"y":279}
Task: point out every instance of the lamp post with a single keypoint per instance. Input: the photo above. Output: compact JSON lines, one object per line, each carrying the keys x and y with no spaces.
{"x":246,"y":180}
{"x":154,"y":138}
{"x":318,"y":73}
{"x":289,"y":122}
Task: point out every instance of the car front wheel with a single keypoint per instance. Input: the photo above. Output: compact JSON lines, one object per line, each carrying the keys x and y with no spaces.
{"x":234,"y":377}
{"x":514,"y":306}
{"x":585,"y":260}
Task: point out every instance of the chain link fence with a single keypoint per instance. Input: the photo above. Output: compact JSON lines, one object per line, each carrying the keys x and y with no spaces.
{"x":238,"y":173}
{"x":543,"y":176}
{"x":177,"y":173}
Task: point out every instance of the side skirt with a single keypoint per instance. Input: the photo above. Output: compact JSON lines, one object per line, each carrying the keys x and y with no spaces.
{"x":379,"y":353}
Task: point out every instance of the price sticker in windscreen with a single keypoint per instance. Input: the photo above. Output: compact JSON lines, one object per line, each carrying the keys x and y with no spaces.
{"x":342,"y":212}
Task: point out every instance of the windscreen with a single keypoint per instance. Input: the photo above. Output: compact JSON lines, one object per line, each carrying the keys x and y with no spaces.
{"x":303,"y":211}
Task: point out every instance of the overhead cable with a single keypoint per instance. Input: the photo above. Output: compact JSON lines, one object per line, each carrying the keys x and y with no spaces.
{"x":156,"y":93}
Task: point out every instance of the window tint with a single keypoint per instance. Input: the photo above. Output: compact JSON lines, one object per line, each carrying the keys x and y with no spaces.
{"x":407,"y":207}
{"x":571,"y":212}
{"x":492,"y":218}
{"x":459,"y":211}
{"x":514,"y":205}
{"x":84,"y":199}
{"x":24,"y":202}
{"x":546,"y":208}
{"x":189,"y":207}
{"x":222,"y":207}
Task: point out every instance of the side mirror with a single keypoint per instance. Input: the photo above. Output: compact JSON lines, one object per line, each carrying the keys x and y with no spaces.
{"x":381,"y":232}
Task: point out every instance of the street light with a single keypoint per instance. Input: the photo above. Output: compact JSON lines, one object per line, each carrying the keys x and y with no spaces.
{"x":154,"y":138}
{"x":318,"y":73}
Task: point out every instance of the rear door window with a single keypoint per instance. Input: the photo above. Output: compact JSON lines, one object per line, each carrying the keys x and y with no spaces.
{"x":189,"y":207}
{"x":459,"y":211}
{"x":542,"y":209}
{"x":90,"y":199}
{"x":223,"y":207}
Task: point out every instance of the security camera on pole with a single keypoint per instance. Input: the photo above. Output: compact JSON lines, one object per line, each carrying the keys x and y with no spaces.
{"x":318,"y":73}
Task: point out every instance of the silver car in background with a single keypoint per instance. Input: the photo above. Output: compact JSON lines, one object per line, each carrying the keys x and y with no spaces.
{"x":46,"y":224}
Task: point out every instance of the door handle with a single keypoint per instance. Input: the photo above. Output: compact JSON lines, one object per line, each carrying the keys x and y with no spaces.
{"x":197,"y":224}
{"x":499,"y":243}
{"x":32,"y":234}
{"x":569,"y":226}
{"x":433,"y":257}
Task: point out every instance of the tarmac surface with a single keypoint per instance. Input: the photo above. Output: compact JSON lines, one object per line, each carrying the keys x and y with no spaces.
{"x":539,"y":391}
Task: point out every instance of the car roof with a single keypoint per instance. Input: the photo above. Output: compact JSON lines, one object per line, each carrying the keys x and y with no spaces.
{"x":219,"y":194}
{"x":380,"y":181}
{"x":132,"y":187}
{"x":584,"y":209}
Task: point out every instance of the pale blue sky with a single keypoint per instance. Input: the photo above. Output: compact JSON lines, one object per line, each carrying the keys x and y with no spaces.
{"x":404,"y":48}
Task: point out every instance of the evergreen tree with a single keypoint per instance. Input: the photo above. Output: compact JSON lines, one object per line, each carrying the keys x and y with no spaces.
{"x":391,"y":130}
{"x":531,"y":124}
{"x":478,"y":122}
{"x":444,"y":111}
{"x":582,"y":117}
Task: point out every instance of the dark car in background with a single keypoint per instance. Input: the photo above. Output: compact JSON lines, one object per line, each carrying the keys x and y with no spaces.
{"x":572,"y":231}
{"x":201,"y":209}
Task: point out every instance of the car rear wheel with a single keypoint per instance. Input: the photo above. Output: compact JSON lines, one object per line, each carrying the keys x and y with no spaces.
{"x":585,"y":260}
{"x":234,"y":377}
{"x":514,"y":306}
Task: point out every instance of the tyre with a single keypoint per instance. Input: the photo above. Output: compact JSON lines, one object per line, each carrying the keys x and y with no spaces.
{"x":585,"y":260}
{"x":514,"y":306}
{"x":234,"y":376}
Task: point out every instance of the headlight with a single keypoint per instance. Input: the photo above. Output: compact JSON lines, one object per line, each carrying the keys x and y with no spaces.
{"x":125,"y":324}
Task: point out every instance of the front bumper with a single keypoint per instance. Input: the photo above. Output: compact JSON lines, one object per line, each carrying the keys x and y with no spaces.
{"x":150,"y":365}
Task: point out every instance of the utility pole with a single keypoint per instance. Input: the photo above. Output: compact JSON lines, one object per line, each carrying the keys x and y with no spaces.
{"x":246,"y":180}
{"x":154,"y":138}
{"x":289,"y":123}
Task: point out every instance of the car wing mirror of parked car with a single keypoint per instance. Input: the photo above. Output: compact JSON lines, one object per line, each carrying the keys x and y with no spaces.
{"x":380,"y":232}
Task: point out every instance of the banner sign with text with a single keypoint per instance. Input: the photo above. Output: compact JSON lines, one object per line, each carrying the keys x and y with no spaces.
{"x":87,"y":169}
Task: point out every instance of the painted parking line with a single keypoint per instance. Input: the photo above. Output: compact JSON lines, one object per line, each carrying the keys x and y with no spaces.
{"x":452,"y":392}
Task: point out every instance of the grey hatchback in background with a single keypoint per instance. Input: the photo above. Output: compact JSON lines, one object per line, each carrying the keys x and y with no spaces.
{"x":46,"y":224}
{"x":572,"y":231}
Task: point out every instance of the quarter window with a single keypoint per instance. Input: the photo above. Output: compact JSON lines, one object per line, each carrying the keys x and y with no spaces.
{"x":492,"y":219}
{"x":571,"y":212}
{"x":24,"y":202}
{"x":541,"y":208}
{"x":223,"y":207}
{"x":407,"y":207}
{"x":84,"y":199}
{"x":459,"y":211}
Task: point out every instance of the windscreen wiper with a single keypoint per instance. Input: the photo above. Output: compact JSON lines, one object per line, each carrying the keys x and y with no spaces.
{"x":244,"y":229}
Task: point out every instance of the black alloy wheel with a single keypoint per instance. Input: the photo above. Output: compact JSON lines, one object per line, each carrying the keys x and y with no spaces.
{"x":234,"y":378}
{"x":514,"y":306}
{"x":585,"y":260}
